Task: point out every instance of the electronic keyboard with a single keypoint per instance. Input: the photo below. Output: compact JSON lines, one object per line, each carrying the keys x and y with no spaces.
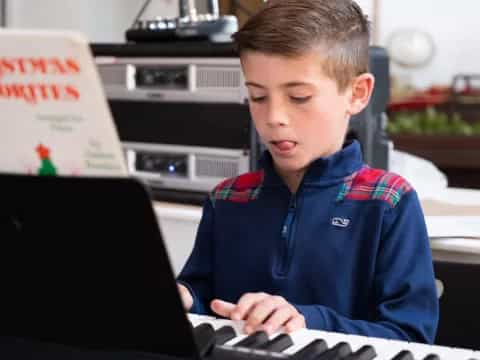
{"x":220,"y":339}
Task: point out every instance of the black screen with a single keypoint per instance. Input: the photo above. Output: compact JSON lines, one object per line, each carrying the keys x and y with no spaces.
{"x":82,"y":263}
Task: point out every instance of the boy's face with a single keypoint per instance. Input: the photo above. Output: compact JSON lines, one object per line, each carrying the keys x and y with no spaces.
{"x":298,"y":111}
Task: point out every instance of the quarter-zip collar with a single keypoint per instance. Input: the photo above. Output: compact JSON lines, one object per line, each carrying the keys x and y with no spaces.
{"x":323,"y":171}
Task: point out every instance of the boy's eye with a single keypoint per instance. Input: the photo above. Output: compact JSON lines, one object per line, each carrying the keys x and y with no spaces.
{"x":257,"y":98}
{"x":300,"y":99}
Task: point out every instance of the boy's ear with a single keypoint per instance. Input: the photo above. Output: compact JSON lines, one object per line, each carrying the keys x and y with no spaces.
{"x":362,"y":88}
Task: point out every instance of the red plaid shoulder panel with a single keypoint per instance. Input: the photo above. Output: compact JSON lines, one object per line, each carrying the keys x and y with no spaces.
{"x":242,"y":189}
{"x":374,"y":184}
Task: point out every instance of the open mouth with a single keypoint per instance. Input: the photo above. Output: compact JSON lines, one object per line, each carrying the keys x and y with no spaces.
{"x":283,"y":146}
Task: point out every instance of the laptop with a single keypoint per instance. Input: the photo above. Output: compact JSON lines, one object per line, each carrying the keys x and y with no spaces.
{"x":83,"y":266}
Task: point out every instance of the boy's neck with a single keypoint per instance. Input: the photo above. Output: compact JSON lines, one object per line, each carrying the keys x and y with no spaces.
{"x":294,"y":178}
{"x":291,"y":178}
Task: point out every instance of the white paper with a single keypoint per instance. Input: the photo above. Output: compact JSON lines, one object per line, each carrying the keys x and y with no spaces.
{"x":421,"y":173}
{"x":54,"y":117}
{"x":457,"y":196}
{"x":453,"y":226}
{"x":470,"y":246}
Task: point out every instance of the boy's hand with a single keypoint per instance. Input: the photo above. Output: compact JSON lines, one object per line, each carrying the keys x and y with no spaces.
{"x":261,"y":311}
{"x":186,"y":297}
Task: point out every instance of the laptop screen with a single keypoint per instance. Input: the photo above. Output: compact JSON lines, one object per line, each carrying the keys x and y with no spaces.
{"x":82,"y":263}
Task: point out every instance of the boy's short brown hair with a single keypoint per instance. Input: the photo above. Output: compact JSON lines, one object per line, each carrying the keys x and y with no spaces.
{"x":292,"y":27}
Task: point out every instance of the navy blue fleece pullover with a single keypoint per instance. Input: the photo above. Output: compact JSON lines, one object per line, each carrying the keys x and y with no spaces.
{"x":349,"y":250}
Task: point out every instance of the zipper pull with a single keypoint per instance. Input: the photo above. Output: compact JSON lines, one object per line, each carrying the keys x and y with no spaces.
{"x":288,"y":220}
{"x":293,"y":203}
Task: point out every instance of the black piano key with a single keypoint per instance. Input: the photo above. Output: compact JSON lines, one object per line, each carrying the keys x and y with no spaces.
{"x":338,"y":352}
{"x":225,"y":352}
{"x":311,"y":350}
{"x":431,"y":357}
{"x":278,"y":344}
{"x":224,"y":334}
{"x":204,"y":337}
{"x":403,"y":355}
{"x":366,"y":352}
{"x":254,"y":340}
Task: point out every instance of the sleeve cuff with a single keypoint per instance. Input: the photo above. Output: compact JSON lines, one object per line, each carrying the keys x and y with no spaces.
{"x":197,"y":307}
{"x":314,"y":316}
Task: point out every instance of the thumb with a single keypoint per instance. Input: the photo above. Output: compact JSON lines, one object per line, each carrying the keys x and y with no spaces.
{"x":222,"y":308}
{"x":186,"y":297}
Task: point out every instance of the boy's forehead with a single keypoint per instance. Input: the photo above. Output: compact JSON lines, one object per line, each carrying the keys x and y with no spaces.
{"x":307,"y":66}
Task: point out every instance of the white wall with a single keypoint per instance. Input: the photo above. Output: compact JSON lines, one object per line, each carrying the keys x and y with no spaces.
{"x":100,"y":20}
{"x":454,"y":25}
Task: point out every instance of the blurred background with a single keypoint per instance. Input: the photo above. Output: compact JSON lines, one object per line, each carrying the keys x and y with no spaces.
{"x":434,"y":51}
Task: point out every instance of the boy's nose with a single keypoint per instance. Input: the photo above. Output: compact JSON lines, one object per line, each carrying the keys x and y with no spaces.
{"x":277,"y":116}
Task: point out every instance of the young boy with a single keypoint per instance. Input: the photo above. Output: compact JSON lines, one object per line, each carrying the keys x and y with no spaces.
{"x":315,"y":238}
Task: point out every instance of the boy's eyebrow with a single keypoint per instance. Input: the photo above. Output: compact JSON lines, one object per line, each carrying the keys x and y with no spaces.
{"x":250,"y":83}
{"x":287,"y":85}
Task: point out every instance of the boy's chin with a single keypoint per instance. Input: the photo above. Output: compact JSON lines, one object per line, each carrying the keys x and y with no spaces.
{"x":290,"y":165}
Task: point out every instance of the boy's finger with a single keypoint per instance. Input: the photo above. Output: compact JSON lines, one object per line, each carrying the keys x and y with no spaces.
{"x":262,"y":310}
{"x":279,"y":317}
{"x":222,"y":308}
{"x":295,"y":323}
{"x":246,"y":303}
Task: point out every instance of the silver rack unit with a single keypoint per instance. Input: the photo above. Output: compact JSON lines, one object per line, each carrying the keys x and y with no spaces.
{"x":180,"y":98}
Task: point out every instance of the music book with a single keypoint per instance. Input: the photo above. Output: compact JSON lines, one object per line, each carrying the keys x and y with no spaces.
{"x":54,"y":119}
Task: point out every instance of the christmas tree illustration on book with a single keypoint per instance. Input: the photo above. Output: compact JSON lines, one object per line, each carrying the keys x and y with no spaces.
{"x":47,"y":167}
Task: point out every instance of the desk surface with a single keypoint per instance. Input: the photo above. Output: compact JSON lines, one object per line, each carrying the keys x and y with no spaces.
{"x":452,"y":201}
{"x":441,"y":208}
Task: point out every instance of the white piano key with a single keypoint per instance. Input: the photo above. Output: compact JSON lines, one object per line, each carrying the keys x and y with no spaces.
{"x":241,"y":335}
{"x":235,"y":340}
{"x":444,"y":352}
{"x":357,"y":341}
{"x":422,"y":350}
{"x":216,"y":322}
{"x":386,"y":349}
{"x":196,"y":319}
{"x":331,"y":338}
{"x":300,"y":339}
{"x":457,"y":354}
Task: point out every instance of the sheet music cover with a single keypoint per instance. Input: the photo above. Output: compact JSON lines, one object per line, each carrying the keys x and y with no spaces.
{"x":54,"y":117}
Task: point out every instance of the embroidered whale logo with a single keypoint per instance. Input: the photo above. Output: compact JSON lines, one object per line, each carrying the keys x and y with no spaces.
{"x":340,"y":222}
